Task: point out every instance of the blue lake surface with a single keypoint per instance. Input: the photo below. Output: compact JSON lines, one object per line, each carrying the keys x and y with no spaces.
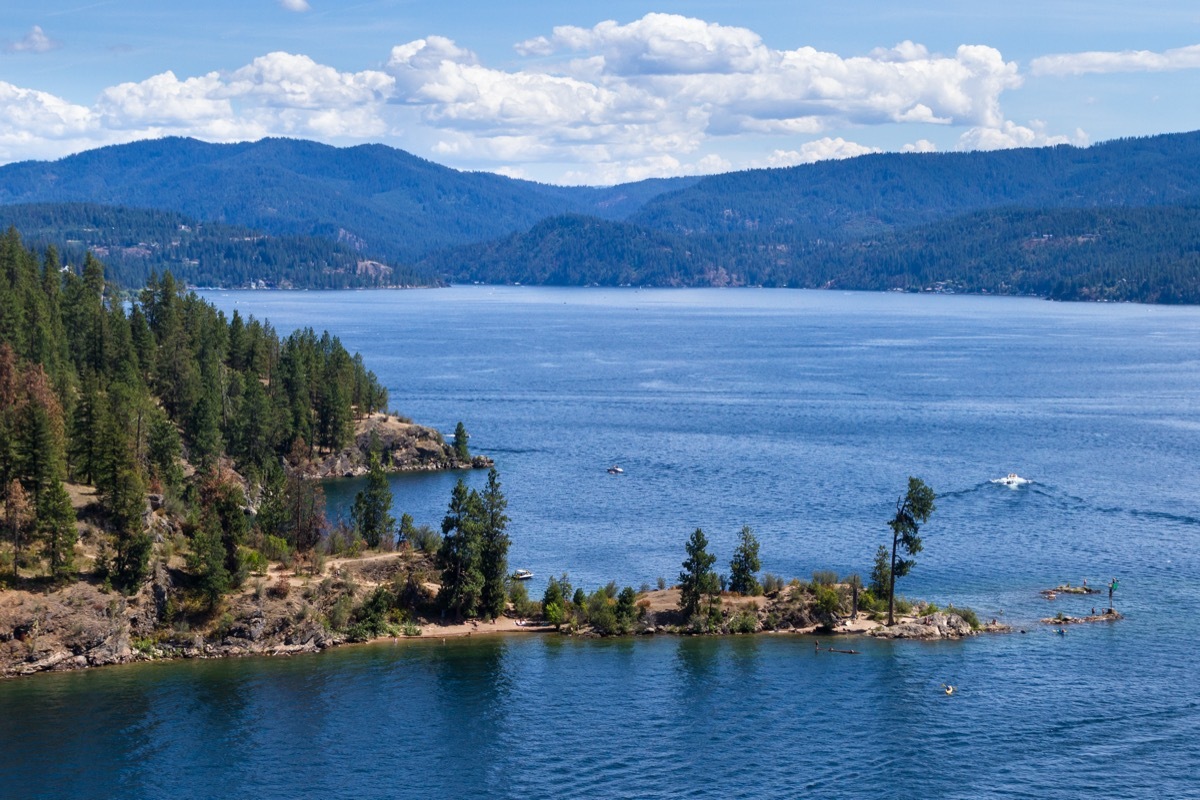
{"x":799,"y":413}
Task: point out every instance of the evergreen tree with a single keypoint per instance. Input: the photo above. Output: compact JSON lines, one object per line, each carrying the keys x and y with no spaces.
{"x":460,"y":555}
{"x":372,"y":506}
{"x":304,"y":502}
{"x":881,"y":572}
{"x":745,"y":564}
{"x":207,"y":560}
{"x":460,"y":443}
{"x":163,"y":451}
{"x":912,"y":511}
{"x":18,"y":520}
{"x":407,"y":529}
{"x":554,"y":601}
{"x":494,"y":547}
{"x":698,"y":581}
{"x":56,"y":529}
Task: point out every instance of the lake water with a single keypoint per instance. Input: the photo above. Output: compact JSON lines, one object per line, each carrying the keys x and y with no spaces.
{"x":800,"y":414}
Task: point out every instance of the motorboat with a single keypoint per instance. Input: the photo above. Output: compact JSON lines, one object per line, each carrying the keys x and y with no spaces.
{"x":522,"y":575}
{"x":1012,"y":480}
{"x":615,"y":470}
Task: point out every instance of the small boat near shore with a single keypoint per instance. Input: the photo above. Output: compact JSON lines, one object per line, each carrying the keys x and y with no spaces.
{"x":522,"y":575}
{"x":1012,"y":480}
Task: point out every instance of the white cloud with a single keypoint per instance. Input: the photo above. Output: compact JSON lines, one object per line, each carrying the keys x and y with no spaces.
{"x":818,"y":150}
{"x":36,"y":41}
{"x":662,"y":95}
{"x":294,"y":5}
{"x":1009,"y":134}
{"x":663,"y":85}
{"x":1101,"y":61}
{"x":919,"y":146}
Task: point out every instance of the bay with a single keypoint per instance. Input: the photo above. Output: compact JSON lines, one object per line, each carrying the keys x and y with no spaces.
{"x":798,"y":413}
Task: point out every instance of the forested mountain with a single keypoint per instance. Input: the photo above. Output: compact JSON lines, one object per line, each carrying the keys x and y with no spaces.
{"x":873,"y":193}
{"x":292,"y":211}
{"x":574,"y":250}
{"x":384,"y":202}
{"x":1148,"y":254}
{"x":135,"y":243}
{"x":132,"y":397}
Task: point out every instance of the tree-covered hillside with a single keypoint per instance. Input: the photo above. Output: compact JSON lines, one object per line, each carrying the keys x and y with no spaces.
{"x":385,"y":202}
{"x":286,"y":211}
{"x":131,"y":397}
{"x":134,"y":243}
{"x":1149,"y":254}
{"x":874,"y":193}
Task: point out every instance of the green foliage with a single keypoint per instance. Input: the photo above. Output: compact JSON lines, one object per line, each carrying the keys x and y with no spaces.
{"x":772,"y":584}
{"x":698,"y":583}
{"x":969,"y":616}
{"x":744,"y":621}
{"x":460,"y":556}
{"x":254,"y":562}
{"x":372,"y":506}
{"x":827,"y":600}
{"x":340,"y":613}
{"x":745,"y":564}
{"x":518,"y":595}
{"x":824,"y":577}
{"x":407,"y":531}
{"x":881,"y":572}
{"x":494,"y":544}
{"x":207,"y":560}
{"x":912,"y":510}
{"x":373,"y":618}
{"x":461,"y":452}
{"x":276,"y":548}
{"x":425,"y":539}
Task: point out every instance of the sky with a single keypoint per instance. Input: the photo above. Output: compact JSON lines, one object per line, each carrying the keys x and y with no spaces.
{"x":573,"y":93}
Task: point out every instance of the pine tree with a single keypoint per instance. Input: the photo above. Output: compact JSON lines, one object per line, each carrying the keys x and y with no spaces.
{"x":18,"y":520}
{"x":912,"y":510}
{"x":56,"y":529}
{"x":460,"y":554}
{"x":460,"y":443}
{"x":372,"y":506}
{"x":698,"y":581}
{"x":207,"y":560}
{"x":745,"y":564}
{"x":494,"y":542}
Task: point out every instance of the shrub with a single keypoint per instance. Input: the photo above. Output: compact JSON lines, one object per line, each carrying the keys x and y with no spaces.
{"x":743,"y":622}
{"x":969,"y":616}
{"x":254,"y":562}
{"x":853,"y":580}
{"x":903,"y":606}
{"x":281,"y":588}
{"x":275,"y":548}
{"x":339,"y":614}
{"x":828,"y":601}
{"x":410,"y":629}
{"x":930,"y":608}
{"x":662,"y":583}
{"x":371,"y":618}
{"x":425,"y":539}
{"x":824,"y":577}
{"x":772,"y":584}
{"x":518,"y":595}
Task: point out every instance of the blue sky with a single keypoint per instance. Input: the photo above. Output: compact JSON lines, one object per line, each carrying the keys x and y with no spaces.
{"x":598,"y":93}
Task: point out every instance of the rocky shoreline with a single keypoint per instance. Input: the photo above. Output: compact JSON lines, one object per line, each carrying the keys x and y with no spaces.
{"x":282,"y":613}
{"x":403,"y":447}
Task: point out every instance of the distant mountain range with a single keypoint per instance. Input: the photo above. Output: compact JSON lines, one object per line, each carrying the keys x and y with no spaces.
{"x":1119,"y":220}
